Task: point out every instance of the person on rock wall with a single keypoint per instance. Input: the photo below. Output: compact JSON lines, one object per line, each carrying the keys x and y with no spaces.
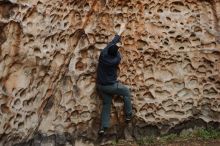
{"x":107,"y":83}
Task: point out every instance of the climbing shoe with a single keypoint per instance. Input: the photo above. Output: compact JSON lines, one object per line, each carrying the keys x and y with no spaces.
{"x":128,"y":118}
{"x":102,"y":131}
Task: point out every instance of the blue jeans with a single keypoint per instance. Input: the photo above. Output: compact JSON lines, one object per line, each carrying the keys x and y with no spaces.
{"x":107,"y":92}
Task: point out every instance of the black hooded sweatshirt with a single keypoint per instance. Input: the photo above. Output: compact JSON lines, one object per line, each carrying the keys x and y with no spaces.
{"x":107,"y":67}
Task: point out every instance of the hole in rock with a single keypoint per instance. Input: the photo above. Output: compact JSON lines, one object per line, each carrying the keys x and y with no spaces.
{"x":166,"y":43}
{"x":152,"y":37}
{"x":217,"y":85}
{"x":197,"y":29}
{"x":5,"y":108}
{"x":18,"y":116}
{"x":80,"y":66}
{"x":37,"y":50}
{"x":181,"y":48}
{"x":140,"y":49}
{"x":177,"y":11}
{"x":65,"y":24}
{"x":167,"y":27}
{"x":178,"y":3}
{"x":17,"y":102}
{"x":160,"y":11}
{"x":146,"y":6}
{"x":171,"y":32}
{"x":168,"y":18}
{"x":20,"y":125}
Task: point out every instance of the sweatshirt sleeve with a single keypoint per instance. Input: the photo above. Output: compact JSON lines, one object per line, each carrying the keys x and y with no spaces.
{"x":115,"y":40}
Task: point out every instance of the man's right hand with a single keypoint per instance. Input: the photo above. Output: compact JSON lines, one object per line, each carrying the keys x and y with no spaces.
{"x":122,"y":28}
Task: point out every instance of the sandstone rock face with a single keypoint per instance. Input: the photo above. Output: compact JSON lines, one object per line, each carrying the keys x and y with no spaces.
{"x":49,"y":52}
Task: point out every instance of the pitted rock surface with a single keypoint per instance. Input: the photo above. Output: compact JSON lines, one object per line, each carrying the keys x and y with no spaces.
{"x":49,"y":53}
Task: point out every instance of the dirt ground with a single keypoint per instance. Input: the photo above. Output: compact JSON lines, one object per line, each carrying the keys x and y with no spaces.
{"x":192,"y":143}
{"x":179,"y":143}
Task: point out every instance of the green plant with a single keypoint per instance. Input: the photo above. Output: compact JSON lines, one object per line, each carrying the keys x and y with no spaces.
{"x":168,"y":138}
{"x":150,"y":140}
{"x":114,"y":142}
{"x":206,"y":134}
{"x":186,"y":134}
{"x":141,"y":141}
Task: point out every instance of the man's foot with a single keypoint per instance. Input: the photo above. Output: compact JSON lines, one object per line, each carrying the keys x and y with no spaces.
{"x":128,"y":118}
{"x":102,"y":131}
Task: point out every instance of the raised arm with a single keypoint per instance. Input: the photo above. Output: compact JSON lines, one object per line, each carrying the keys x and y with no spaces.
{"x":117,"y":37}
{"x":122,"y":28}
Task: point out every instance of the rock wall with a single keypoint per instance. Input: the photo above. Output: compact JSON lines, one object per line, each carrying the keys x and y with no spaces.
{"x":49,"y":52}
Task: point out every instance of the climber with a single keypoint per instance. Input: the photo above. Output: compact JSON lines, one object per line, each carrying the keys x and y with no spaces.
{"x":107,"y":83}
